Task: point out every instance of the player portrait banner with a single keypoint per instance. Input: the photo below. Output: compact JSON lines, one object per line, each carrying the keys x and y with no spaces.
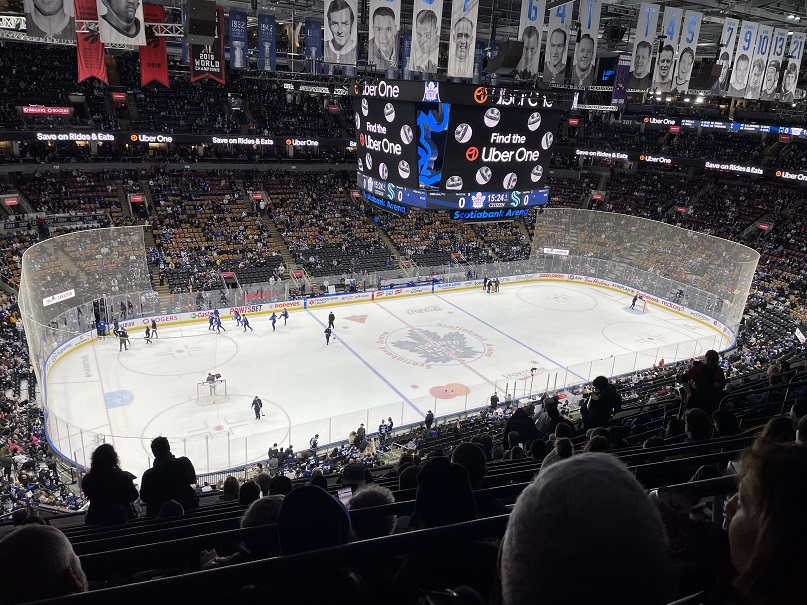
{"x":153,"y":56}
{"x":791,"y":69}
{"x":690,"y":30}
{"x":50,"y":20}
{"x":663,"y":74}
{"x":267,"y":42}
{"x":741,"y":68}
{"x":341,"y":32}
{"x":384,"y":23}
{"x":773,"y":68}
{"x":530,"y":27}
{"x":463,"y":38}
{"x":646,"y":25}
{"x":239,"y":46}
{"x":621,"y":77}
{"x":426,"y":22}
{"x":207,"y":61}
{"x":313,"y":45}
{"x":585,"y":51}
{"x":759,"y":61}
{"x":91,"y":62}
{"x":557,"y":43}
{"x":121,"y":22}
{"x":728,"y":40}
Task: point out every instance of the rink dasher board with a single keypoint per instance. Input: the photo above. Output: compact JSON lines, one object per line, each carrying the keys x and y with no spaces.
{"x":332,"y":300}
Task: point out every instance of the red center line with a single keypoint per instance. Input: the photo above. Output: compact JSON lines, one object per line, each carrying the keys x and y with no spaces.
{"x":441,"y":347}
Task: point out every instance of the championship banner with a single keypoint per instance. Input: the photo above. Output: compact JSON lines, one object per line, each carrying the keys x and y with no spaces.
{"x":792,"y":67}
{"x":479,"y":59}
{"x":670,"y":32}
{"x":208,"y":61}
{"x":426,"y":19}
{"x":557,"y":43}
{"x":341,"y":32}
{"x":728,"y":41}
{"x":313,"y":45}
{"x":91,"y":62}
{"x":530,"y":28}
{"x":385,"y":23}
{"x":239,"y":46}
{"x":621,"y":78}
{"x":646,"y":24}
{"x":121,"y":22}
{"x":746,"y":39}
{"x":585,"y":51}
{"x":686,"y":50}
{"x":267,"y":42}
{"x":770,"y":81}
{"x":153,"y":57}
{"x":463,"y":38}
{"x":759,"y":61}
{"x":42,"y":22}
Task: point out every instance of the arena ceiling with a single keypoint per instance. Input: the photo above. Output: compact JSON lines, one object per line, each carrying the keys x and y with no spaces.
{"x":498,"y":19}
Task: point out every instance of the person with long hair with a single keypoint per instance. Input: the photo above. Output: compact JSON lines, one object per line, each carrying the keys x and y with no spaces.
{"x":107,"y":487}
{"x":767,"y":534}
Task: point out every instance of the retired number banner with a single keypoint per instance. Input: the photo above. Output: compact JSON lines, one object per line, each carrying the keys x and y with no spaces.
{"x":646,"y":24}
{"x":91,"y":62}
{"x":426,"y":21}
{"x":529,"y":32}
{"x":557,"y":43}
{"x":463,"y":38}
{"x":585,"y":52}
{"x":663,"y":75}
{"x":759,"y":61}
{"x":746,"y":41}
{"x":686,"y":50}
{"x":385,"y":23}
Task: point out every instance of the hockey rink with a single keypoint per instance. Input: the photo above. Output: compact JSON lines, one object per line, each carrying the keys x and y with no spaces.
{"x":393,"y":358}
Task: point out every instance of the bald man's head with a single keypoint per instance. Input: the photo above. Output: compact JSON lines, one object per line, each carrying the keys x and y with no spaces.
{"x":49,"y":553}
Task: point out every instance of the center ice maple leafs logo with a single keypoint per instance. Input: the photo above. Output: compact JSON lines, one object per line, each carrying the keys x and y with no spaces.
{"x":433,"y":348}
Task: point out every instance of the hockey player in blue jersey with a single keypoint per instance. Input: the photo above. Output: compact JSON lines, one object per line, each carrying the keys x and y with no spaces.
{"x":101,"y":326}
{"x":219,"y":327}
{"x":285,"y":315}
{"x":211,"y":322}
{"x":245,"y":323}
{"x":273,"y":319}
{"x":237,"y":317}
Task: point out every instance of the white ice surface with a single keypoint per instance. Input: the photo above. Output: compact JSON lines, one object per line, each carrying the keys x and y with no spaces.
{"x":396,"y":357}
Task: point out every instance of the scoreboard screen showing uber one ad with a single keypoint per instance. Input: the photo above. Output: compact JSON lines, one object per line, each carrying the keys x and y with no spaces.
{"x":479,"y":162}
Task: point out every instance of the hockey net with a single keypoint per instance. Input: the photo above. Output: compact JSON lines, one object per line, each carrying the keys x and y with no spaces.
{"x":212,"y":392}
{"x":644,"y":306}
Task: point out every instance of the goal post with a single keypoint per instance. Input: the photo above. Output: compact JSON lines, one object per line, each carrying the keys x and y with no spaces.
{"x":212,"y":392}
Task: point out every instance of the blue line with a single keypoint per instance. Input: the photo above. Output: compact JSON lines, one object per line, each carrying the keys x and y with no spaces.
{"x":371,"y":368}
{"x":529,"y":348}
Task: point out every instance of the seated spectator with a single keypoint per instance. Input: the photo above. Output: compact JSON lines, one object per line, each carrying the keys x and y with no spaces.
{"x":375,"y":527}
{"x":310,"y":519}
{"x":801,"y":432}
{"x":726,"y":423}
{"x":170,"y":509}
{"x":408,"y":477}
{"x":263,"y":480}
{"x":229,"y":490}
{"x":562,"y":431}
{"x":597,"y":443}
{"x":766,"y":529}
{"x":107,"y":486}
{"x":280,"y":486}
{"x":591,"y":504}
{"x":471,"y":457}
{"x":264,"y":511}
{"x":248,"y":493}
{"x":698,"y":425}
{"x":353,"y":476}
{"x":170,"y":478}
{"x":46,"y":550}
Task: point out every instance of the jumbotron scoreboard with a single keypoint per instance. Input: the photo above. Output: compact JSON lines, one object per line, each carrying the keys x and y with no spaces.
{"x":481,"y":153}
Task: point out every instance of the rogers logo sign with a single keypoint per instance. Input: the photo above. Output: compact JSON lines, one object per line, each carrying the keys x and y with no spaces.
{"x":162,"y":319}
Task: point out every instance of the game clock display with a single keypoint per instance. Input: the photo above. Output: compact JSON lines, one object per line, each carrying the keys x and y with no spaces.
{"x":497,"y":149}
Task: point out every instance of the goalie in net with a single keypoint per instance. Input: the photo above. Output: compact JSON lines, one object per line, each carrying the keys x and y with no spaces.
{"x":214,"y":388}
{"x":639,"y":302}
